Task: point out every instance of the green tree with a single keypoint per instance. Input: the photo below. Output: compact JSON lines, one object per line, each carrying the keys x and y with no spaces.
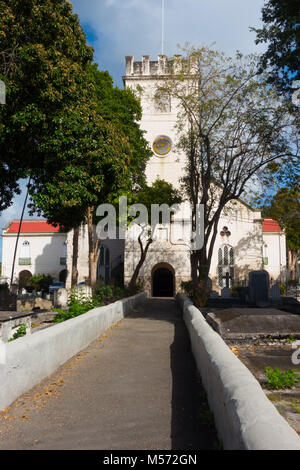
{"x":43,"y":62}
{"x":100,"y":170}
{"x":230,"y":127}
{"x":41,"y":282}
{"x":281,"y":32}
{"x":121,"y":108}
{"x":108,"y":158}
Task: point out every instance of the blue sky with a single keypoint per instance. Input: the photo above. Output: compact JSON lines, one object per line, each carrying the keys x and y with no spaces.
{"x":116,"y":28}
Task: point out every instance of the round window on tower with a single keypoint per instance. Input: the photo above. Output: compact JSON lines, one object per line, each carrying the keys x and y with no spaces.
{"x":162,"y":145}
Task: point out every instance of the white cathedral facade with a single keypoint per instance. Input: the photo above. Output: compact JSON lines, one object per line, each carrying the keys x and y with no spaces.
{"x":244,"y":242}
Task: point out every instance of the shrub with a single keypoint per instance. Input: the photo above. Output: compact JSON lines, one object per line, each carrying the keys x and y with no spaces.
{"x":291,"y":339}
{"x":104,"y":291}
{"x":282,"y":288}
{"x":41,"y":282}
{"x":278,"y":379}
{"x":80,"y":303}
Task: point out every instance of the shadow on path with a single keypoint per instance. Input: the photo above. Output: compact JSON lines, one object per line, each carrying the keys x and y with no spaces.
{"x":192,"y":425}
{"x":134,"y":388}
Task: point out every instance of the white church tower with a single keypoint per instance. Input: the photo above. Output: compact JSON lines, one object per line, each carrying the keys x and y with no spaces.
{"x":168,"y":260}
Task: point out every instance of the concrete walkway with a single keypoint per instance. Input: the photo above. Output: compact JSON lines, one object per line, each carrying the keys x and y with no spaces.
{"x":136,"y":387}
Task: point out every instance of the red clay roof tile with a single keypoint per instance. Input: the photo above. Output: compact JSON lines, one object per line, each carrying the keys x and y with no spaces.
{"x":32,"y":226}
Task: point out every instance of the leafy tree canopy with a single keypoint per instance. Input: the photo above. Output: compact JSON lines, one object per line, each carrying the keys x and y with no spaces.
{"x":99,"y":171}
{"x":285,"y":207}
{"x":281,"y":32}
{"x":42,"y":63}
{"x":107,"y":161}
{"x":123,"y":110}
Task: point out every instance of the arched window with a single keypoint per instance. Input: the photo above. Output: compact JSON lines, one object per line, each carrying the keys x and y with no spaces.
{"x":225,"y":266}
{"x":25,"y":253}
{"x":64,"y":249}
{"x":104,"y":264}
{"x":25,"y":249}
{"x":63,"y":258}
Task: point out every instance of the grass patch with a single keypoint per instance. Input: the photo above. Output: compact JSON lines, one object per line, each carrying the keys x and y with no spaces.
{"x":279,"y":379}
{"x":291,"y":339}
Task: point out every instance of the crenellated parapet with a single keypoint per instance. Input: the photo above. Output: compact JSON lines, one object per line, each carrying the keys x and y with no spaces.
{"x":147,"y":68}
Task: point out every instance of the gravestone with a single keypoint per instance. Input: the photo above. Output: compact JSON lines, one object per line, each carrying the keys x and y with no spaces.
{"x":60,"y":298}
{"x":275,"y":292}
{"x":227,"y":279}
{"x":8,"y":301}
{"x":259,"y":288}
{"x":213,"y":294}
{"x":225,"y":293}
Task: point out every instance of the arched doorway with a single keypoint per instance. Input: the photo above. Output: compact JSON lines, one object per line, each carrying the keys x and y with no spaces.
{"x":163,"y":277}
{"x":24,"y":277}
{"x":103,"y":268}
{"x":63,"y":276}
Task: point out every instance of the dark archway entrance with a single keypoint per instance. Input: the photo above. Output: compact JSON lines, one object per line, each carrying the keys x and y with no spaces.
{"x":162,"y":281}
{"x":63,"y":276}
{"x":24,"y":277}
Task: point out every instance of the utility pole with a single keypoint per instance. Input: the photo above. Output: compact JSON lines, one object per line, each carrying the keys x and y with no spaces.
{"x":162,"y":25}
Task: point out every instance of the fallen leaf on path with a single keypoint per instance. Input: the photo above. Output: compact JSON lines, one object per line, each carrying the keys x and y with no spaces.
{"x":235,"y":350}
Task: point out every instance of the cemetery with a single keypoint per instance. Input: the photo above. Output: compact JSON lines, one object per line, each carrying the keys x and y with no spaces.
{"x":262,"y":334}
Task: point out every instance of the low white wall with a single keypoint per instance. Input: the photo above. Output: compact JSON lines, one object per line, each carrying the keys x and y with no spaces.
{"x":244,"y":417}
{"x":28,"y":360}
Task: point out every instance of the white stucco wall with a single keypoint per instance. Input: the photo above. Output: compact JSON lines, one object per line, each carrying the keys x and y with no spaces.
{"x":275,"y":251}
{"x":170,"y":167}
{"x":45,"y":253}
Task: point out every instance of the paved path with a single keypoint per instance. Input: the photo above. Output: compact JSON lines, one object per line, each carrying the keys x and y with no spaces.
{"x":134,"y":388}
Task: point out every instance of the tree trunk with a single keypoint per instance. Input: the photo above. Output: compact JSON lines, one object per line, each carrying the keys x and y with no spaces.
{"x":132,"y":283}
{"x":194,"y":269}
{"x":204,"y":256}
{"x":201,"y":292}
{"x":74,"y":279}
{"x":93,"y":248}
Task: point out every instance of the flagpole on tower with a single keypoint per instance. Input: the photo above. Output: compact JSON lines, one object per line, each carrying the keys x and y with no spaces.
{"x":162,"y":25}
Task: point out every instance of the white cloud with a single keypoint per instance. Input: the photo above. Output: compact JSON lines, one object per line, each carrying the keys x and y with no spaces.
{"x":133,"y":27}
